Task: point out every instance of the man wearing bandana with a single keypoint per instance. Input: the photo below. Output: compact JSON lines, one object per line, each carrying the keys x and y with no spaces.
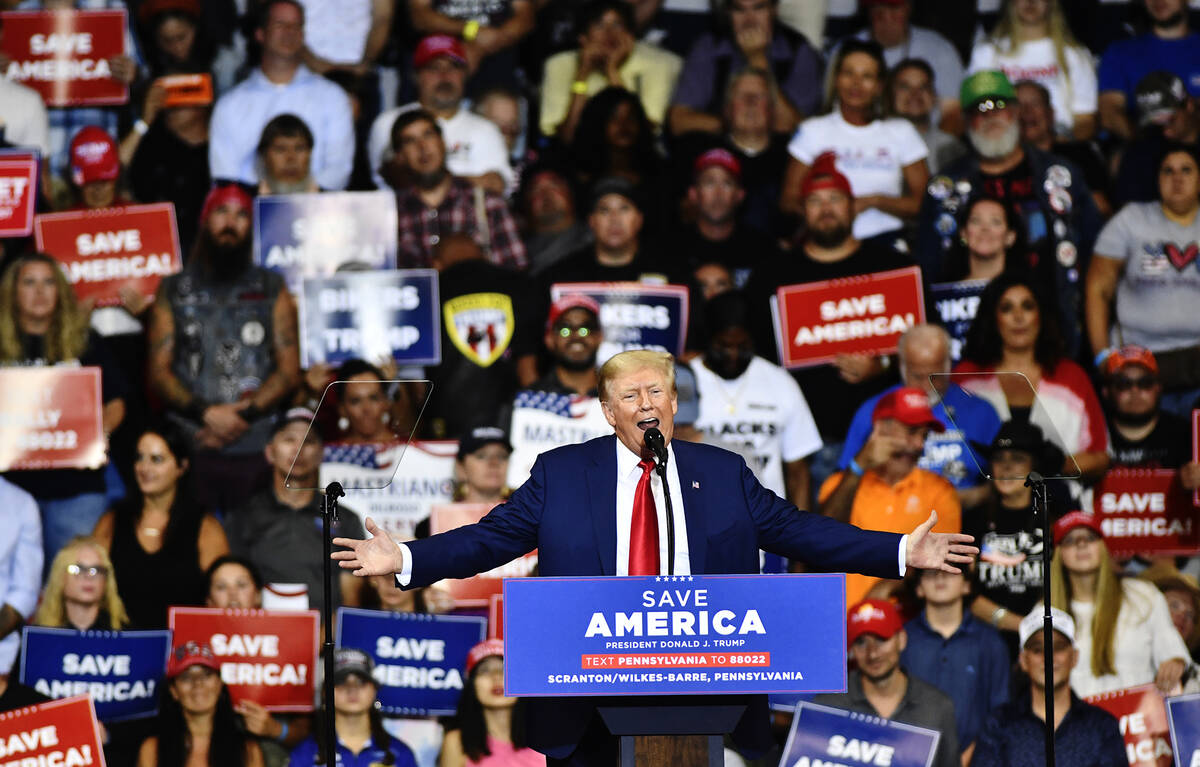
{"x":224,"y":351}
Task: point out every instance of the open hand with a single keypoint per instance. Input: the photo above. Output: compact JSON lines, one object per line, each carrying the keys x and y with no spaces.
{"x":1170,"y":672}
{"x":258,"y":720}
{"x":378,"y":555}
{"x":938,"y":551}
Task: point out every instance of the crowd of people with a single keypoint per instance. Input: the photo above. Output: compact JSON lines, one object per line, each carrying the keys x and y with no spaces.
{"x":1045,"y":152}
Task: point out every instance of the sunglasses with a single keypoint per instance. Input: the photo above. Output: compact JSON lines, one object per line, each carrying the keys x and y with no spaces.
{"x":87,"y":571}
{"x":1145,"y":383}
{"x":990,"y":105}
{"x":583,"y":331}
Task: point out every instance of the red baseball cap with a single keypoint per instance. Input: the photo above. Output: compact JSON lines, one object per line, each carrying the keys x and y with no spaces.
{"x":872,"y":616}
{"x":824,"y":175}
{"x":94,"y":156}
{"x":908,"y":405}
{"x":569,"y":302}
{"x":1130,"y":355}
{"x":485,"y":649}
{"x":439,"y":45}
{"x":191,"y":654}
{"x":222,"y":194}
{"x":718,"y":158}
{"x":1074,"y":519}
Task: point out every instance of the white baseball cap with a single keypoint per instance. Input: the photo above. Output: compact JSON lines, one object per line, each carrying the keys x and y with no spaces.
{"x":1061,"y":621}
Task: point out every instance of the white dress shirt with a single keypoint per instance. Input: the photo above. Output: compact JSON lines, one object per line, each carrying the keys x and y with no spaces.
{"x":628,"y":475}
{"x":20,"y":561}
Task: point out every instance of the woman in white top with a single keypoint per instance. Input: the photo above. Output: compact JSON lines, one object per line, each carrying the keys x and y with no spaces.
{"x":1123,"y":632}
{"x":884,"y":159}
{"x":1032,"y":42}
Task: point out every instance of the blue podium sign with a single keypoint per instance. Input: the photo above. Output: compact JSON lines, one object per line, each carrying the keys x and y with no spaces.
{"x":668,"y":635}
{"x":635,"y":315}
{"x":825,"y":735}
{"x":119,"y":670}
{"x":1183,"y":714}
{"x":419,"y":658}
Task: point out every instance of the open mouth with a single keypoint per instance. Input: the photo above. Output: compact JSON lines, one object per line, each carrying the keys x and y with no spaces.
{"x":647,"y":423}
{"x":498,"y":691}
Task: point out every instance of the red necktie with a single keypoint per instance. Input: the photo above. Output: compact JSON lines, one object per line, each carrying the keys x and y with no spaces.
{"x":643,"y":533}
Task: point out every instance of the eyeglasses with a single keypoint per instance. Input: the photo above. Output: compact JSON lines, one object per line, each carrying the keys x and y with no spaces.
{"x":990,"y":105}
{"x":1123,"y":383}
{"x":583,"y":331}
{"x":88,"y":571}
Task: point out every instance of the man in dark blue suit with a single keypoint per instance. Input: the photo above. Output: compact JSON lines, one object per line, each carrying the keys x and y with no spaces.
{"x":587,"y":509}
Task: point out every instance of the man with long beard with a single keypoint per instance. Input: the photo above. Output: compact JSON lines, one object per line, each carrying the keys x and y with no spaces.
{"x":224,"y":351}
{"x":432,"y":203}
{"x":1058,"y":216}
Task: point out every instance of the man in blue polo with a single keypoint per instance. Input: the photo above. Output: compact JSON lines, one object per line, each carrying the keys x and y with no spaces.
{"x":925,"y":350}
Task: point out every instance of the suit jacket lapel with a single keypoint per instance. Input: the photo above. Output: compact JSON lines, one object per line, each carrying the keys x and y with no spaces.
{"x":600,"y":475}
{"x":693,"y":505}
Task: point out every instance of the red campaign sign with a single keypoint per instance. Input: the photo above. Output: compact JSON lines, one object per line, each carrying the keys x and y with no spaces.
{"x":103,"y":250}
{"x":50,"y":418}
{"x":476,"y":591}
{"x":61,"y":733}
{"x":63,"y":55}
{"x":1145,"y":511}
{"x":18,"y":192}
{"x":1143,"y":718}
{"x":496,"y":616}
{"x":817,"y":321}
{"x":268,"y":657}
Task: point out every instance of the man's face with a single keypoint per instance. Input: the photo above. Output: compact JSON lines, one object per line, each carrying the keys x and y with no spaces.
{"x":574,"y":339}
{"x":287,"y":159}
{"x":940,"y":588}
{"x":994,"y":128}
{"x":229,"y":224}
{"x":283,"y":34}
{"x":922,"y":359}
{"x":1165,"y":12}
{"x":421,"y":149}
{"x":829,"y":213}
{"x":440,"y":84}
{"x":1036,"y":116}
{"x":637,"y":401}
{"x":290,"y":444}
{"x":606,"y":33}
{"x":1032,"y":660}
{"x":713,"y":280}
{"x":878,"y":658}
{"x":616,"y":222}
{"x":909,"y":444}
{"x":549,"y":200}
{"x":750,"y":105}
{"x":745,"y":15}
{"x":889,"y":23}
{"x":912,"y":94}
{"x":717,"y":195}
{"x":729,"y":352}
{"x":1134,"y":393}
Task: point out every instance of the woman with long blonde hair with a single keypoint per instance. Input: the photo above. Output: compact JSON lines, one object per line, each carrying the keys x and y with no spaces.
{"x":1033,"y":42}
{"x":1123,"y":627}
{"x":42,"y":324}
{"x":81,"y":592}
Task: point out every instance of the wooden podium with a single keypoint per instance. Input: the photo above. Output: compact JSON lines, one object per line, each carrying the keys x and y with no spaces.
{"x":683,"y":731}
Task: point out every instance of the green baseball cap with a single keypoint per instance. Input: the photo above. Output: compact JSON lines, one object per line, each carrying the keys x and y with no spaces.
{"x":986,"y":84}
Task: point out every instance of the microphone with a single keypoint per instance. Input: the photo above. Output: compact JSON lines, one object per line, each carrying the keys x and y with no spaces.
{"x":656,"y":444}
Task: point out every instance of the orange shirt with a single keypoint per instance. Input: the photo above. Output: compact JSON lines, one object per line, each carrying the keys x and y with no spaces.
{"x":896,"y":508}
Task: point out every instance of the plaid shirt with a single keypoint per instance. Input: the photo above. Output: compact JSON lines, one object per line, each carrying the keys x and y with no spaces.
{"x":421,"y":227}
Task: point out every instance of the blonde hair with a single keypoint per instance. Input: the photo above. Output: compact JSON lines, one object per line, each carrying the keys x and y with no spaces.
{"x":1004,"y":37}
{"x":1109,"y":596}
{"x":52,"y":611}
{"x":68,"y":334}
{"x":628,"y":362}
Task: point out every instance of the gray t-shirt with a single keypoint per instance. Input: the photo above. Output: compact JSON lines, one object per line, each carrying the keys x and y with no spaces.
{"x":1159,"y":291}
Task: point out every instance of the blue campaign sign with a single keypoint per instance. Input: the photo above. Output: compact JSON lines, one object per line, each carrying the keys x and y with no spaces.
{"x":419,"y":658}
{"x":666,"y":635}
{"x":316,"y":235}
{"x":635,"y":315}
{"x":371,"y":315}
{"x":954,"y":305}
{"x":1183,"y":714}
{"x":120,"y":670}
{"x":824,"y":735}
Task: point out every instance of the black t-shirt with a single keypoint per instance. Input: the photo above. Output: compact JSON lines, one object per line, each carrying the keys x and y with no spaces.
{"x":167,"y":169}
{"x":485,"y":327}
{"x":1017,"y":188}
{"x":740,"y":253}
{"x":1168,"y":446}
{"x":17,"y":695}
{"x":834,"y":400}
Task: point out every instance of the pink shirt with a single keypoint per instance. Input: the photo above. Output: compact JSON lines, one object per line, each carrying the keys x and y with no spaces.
{"x":504,"y":755}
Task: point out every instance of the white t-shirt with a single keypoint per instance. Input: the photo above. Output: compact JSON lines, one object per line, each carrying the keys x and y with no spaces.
{"x":1071,"y":93}
{"x":474,"y":145}
{"x":871,"y":156}
{"x":336,"y":30}
{"x":762,"y":411}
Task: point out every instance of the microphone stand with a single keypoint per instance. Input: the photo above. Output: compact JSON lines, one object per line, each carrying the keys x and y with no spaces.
{"x":329,"y":517}
{"x":661,"y":468}
{"x":1037,"y":483}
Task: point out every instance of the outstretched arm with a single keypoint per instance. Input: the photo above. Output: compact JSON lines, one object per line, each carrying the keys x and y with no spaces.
{"x":938,"y":551}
